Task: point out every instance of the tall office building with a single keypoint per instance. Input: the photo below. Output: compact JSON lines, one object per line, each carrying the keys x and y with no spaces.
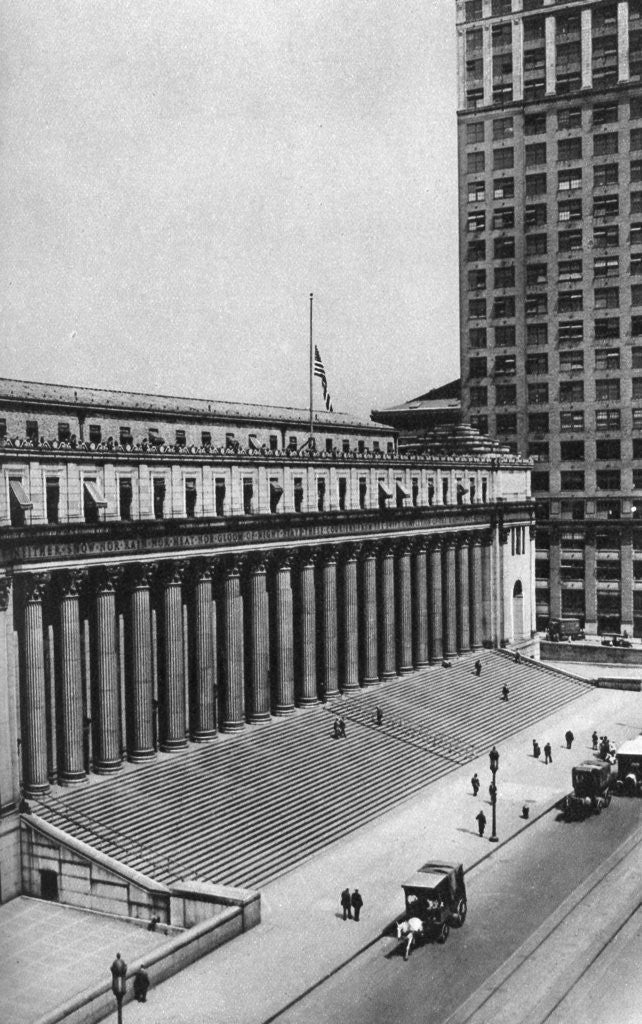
{"x":550,"y":175}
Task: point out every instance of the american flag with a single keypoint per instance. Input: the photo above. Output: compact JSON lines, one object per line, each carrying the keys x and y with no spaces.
{"x":319,"y":371}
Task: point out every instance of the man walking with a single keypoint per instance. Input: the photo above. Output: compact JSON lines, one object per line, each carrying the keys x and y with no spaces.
{"x":505,"y":692}
{"x":569,"y":737}
{"x":379,"y":716}
{"x":357,"y":903}
{"x":475,"y":784}
{"x":548,"y":754}
{"x":345,"y":904}
{"x":594,"y":738}
{"x":481,"y":822}
{"x":342,"y":727}
{"x":478,"y":667}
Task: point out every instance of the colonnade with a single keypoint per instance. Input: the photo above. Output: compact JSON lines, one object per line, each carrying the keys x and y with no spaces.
{"x":126,"y":659}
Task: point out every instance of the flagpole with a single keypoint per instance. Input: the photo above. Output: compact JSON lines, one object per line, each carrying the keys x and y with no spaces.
{"x":311,"y":375}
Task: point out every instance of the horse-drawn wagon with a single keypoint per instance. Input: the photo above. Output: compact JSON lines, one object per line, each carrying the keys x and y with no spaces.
{"x":435,"y":900}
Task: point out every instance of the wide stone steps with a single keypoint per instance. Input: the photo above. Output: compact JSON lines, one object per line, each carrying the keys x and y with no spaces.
{"x":248,"y":807}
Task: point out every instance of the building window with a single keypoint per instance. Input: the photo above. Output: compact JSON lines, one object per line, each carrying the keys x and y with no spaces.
{"x":535,"y":153}
{"x":539,"y":481}
{"x":505,"y":335}
{"x":503,"y":159}
{"x":569,"y":149}
{"x":636,"y":357}
{"x":570,"y":302}
{"x":502,"y":92}
{"x":64,"y":432}
{"x":503,"y":188}
{"x":606,"y":266}
{"x":473,"y":10}
{"x":476,"y":162}
{"x":570,"y":270}
{"x":504,"y":218}
{"x":635,"y":236}
{"x":219,"y":495}
{"x":474,"y":132}
{"x":476,"y":282}
{"x":571,"y":451}
{"x":503,"y":306}
{"x":605,"y":113}
{"x":607,"y":329}
{"x":606,"y":298}
{"x":567,"y":180}
{"x":505,"y":394}
{"x":476,"y":250}
{"x":504,"y":248}
{"x":609,"y":448}
{"x":636,"y":295}
{"x":607,"y":206}
{"x":606,"y":234}
{"x":320,"y":494}
{"x":190,"y":497}
{"x":477,"y":367}
{"x":538,"y":422}
{"x":636,"y":139}
{"x":536,"y":273}
{"x":181,"y":439}
{"x":569,"y":241}
{"x":607,"y":479}
{"x":636,"y":263}
{"x":158,"y":486}
{"x":569,"y":118}
{"x":536,"y":245}
{"x":480,"y":423}
{"x":504,"y":277}
{"x":536,"y":184}
{"x":537,"y":334}
{"x":572,"y":420}
{"x":31,"y":430}
{"x":477,"y":337}
{"x":536,"y":363}
{"x":636,"y":170}
{"x":571,"y":361}
{"x":538,"y":394}
{"x":569,"y":210}
{"x":53,"y":499}
{"x":298,"y":493}
{"x":605,"y":145}
{"x":571,"y":391}
{"x":637,"y":387}
{"x":505,"y":364}
{"x":535,"y":124}
{"x":476,"y":194}
{"x":329,"y":444}
{"x":535,"y":215}
{"x":607,"y":359}
{"x":248,"y":495}
{"x":478,"y":395}
{"x":506,"y":423}
{"x":607,"y":419}
{"x":206,"y":438}
{"x":572,"y":480}
{"x":605,"y":174}
{"x":125,"y":496}
{"x":502,"y":128}
{"x":95,"y":433}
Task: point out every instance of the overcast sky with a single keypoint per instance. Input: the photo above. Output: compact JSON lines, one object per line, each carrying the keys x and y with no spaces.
{"x":177,"y":177}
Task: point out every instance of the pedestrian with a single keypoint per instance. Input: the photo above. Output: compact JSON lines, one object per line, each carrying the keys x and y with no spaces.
{"x":342,"y":727}
{"x":346,"y":905}
{"x":517,"y":658}
{"x":481,"y":822}
{"x":478,"y":667}
{"x":536,"y":749}
{"x":569,"y":737}
{"x":357,"y":903}
{"x":379,"y":716}
{"x":475,"y":784}
{"x":141,"y":984}
{"x":548,"y":755}
{"x":337,"y":729}
{"x":594,"y":737}
{"x":505,"y":692}
{"x":151,"y":927}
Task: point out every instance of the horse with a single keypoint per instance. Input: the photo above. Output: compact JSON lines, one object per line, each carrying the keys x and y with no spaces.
{"x":411,"y":931}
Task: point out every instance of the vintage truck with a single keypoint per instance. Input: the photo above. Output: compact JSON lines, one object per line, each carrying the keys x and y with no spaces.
{"x":565,"y":629}
{"x":629,"y":767}
{"x":435,"y":896}
{"x":591,"y":790}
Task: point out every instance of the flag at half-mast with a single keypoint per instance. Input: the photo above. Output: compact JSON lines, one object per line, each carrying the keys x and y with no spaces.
{"x":319,"y":371}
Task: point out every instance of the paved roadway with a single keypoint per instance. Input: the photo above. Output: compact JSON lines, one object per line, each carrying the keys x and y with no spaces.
{"x":510,"y":895}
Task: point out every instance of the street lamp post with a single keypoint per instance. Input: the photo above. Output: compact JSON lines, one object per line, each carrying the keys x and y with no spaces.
{"x":494,"y":766}
{"x":119,"y":983}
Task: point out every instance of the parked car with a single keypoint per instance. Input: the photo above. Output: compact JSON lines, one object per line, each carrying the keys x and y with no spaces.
{"x":629,"y":767}
{"x":591,"y":790}
{"x":436,"y":895}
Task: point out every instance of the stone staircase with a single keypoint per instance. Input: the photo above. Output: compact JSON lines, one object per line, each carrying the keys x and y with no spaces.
{"x":248,"y":807}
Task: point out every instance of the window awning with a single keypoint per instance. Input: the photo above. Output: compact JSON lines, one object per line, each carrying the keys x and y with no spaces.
{"x":254,"y":443}
{"x":384,"y":489}
{"x":93,"y":490}
{"x":276,"y":490}
{"x":403,"y":489}
{"x":20,"y":494}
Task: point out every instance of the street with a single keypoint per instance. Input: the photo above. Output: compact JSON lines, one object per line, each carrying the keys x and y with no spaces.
{"x":509,"y":896}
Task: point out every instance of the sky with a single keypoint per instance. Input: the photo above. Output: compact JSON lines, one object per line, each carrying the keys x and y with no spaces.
{"x":176,"y":178}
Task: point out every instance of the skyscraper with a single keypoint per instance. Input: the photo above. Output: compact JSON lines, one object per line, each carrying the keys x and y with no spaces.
{"x":550,"y":204}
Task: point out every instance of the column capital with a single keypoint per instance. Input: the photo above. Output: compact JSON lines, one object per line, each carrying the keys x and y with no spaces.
{"x":202,"y":569}
{"x":141,"y":574}
{"x":35,"y":585}
{"x":329,"y":553}
{"x":350,"y":552}
{"x":463,"y":539}
{"x":172,"y":573}
{"x":450,"y":540}
{"x":405,"y":546}
{"x":308,"y":557}
{"x":71,"y":581}
{"x":106,"y":578}
{"x":5,"y":592}
{"x":257,"y":564}
{"x":420,"y":544}
{"x":281,"y":560}
{"x":435,"y":542}
{"x":477,"y":539}
{"x":370,"y":550}
{"x":234,"y":565}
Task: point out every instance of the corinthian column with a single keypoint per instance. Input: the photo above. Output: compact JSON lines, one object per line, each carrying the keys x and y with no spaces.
{"x":72,"y":768}
{"x":436,"y":601}
{"x":404,"y":608}
{"x":284,"y":648}
{"x":9,"y":775}
{"x":349,"y":618}
{"x":234,"y":672}
{"x":329,"y":680}
{"x":477,"y":593}
{"x":259,"y":641}
{"x":450,"y":596}
{"x":174,"y":664}
{"x":387,"y":611}
{"x":34,"y":737}
{"x":140,"y":700}
{"x":205,"y":678}
{"x":369,"y":630}
{"x":420,"y":604}
{"x":463,"y":595}
{"x":108,"y":740}
{"x":307,"y":629}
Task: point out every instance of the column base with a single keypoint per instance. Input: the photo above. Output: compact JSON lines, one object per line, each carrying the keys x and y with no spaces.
{"x":107,"y":767}
{"x":421,"y":664}
{"x":283,"y":709}
{"x":36,"y":790}
{"x":332,"y":693}
{"x":404,"y":670}
{"x":369,"y":680}
{"x":72,"y":778}
{"x":349,"y":687}
{"x":233,"y":726}
{"x":260,"y":716}
{"x":169,"y":745}
{"x":142,"y":755}
{"x":465,"y":650}
{"x":477,"y":646}
{"x":204,"y":735}
{"x":451,"y":654}
{"x":388,"y":675}
{"x":307,"y":702}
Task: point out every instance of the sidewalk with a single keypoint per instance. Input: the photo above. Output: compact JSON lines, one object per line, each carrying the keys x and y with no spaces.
{"x":302,"y":938}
